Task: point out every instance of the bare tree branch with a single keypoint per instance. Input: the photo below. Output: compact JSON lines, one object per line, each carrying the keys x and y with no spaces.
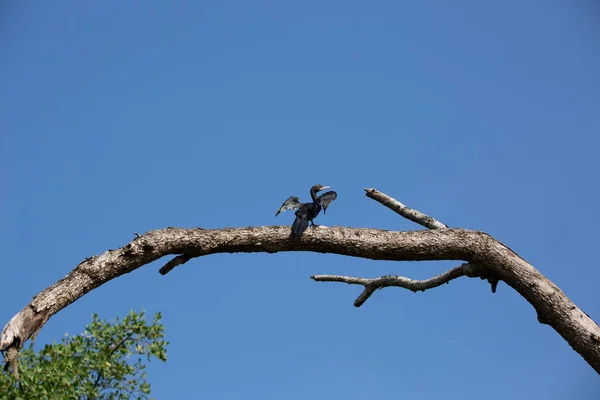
{"x":372,"y":284}
{"x":408,"y":213}
{"x":493,"y":258}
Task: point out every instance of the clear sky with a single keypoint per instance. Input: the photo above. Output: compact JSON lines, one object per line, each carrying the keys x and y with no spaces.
{"x":125,"y":116}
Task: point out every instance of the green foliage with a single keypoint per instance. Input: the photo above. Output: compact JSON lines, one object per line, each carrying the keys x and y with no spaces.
{"x":105,"y":362}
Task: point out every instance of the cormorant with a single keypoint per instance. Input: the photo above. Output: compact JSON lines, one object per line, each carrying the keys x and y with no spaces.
{"x":307,"y":211}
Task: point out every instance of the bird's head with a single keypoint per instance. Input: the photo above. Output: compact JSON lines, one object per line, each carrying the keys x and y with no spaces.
{"x":318,"y":188}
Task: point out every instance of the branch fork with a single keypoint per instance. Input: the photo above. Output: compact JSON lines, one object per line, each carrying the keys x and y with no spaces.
{"x":373,"y":284}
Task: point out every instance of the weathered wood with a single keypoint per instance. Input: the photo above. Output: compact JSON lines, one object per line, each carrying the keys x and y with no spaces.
{"x":495,"y":260}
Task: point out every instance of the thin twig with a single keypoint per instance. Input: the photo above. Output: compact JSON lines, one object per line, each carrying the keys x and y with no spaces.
{"x":408,"y":213}
{"x":372,"y":284}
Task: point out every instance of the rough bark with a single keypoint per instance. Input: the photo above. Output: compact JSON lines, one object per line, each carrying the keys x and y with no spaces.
{"x":487,"y":258}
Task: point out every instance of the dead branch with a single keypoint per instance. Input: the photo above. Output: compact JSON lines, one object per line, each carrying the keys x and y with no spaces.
{"x":408,"y":213}
{"x":372,"y":284}
{"x":492,"y":258}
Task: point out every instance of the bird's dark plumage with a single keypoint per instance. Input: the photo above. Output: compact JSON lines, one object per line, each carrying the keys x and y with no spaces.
{"x":300,"y":223}
{"x":307,"y":211}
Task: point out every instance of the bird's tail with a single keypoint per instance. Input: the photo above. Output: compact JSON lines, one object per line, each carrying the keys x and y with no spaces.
{"x":300,"y":224}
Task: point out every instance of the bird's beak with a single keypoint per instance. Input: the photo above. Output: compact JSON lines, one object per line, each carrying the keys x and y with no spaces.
{"x":325,"y":187}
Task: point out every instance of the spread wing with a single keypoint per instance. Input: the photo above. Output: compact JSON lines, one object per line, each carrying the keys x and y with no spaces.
{"x":290,"y":204}
{"x":326,"y":198}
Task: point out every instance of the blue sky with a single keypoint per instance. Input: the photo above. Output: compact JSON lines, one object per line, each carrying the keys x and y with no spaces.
{"x":119,"y":117}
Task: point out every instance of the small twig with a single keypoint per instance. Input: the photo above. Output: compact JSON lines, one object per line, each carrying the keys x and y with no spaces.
{"x":179,"y":260}
{"x":372,"y":284}
{"x":137,"y":235}
{"x":408,"y":213}
{"x":121,"y":342}
{"x":110,"y":353}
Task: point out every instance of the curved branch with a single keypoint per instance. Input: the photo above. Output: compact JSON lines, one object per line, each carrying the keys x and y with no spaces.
{"x":552,"y":305}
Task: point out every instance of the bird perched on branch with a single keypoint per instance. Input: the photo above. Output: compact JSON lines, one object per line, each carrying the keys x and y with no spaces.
{"x":307,"y":211}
